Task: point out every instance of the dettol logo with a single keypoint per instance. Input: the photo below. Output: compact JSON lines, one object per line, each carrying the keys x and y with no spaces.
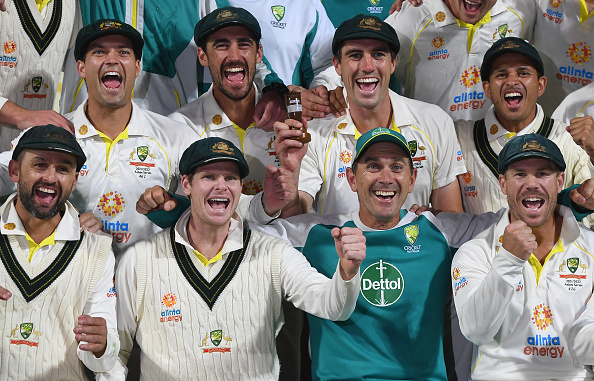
{"x":382,"y":284}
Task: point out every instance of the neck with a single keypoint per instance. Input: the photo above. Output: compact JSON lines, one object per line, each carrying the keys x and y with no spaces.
{"x":373,"y":223}
{"x":110,"y":121}
{"x":367,"y":119}
{"x":517,"y":126}
{"x":208,"y":240}
{"x":241,"y":112}
{"x":590,"y":5}
{"x":545,"y":240}
{"x":37,"y":229}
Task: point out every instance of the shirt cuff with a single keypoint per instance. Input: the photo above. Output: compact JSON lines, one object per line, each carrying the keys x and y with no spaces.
{"x":105,"y":362}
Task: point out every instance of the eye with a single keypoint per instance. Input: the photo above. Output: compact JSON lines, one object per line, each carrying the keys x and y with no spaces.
{"x":356,"y":56}
{"x":372,"y":167}
{"x":231,"y":178}
{"x":379,"y":55}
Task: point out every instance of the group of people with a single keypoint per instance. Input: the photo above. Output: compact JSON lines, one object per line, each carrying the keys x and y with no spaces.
{"x":211,"y":282}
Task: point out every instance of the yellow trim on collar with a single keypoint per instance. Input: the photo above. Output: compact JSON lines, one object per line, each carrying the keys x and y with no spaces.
{"x":41,"y":4}
{"x":33,"y":246}
{"x":207,"y":262}
{"x":584,"y":15}
{"x":473,"y":27}
{"x":110,"y":143}
{"x":393,"y":127}
{"x":241,"y":132}
{"x":535,"y":263}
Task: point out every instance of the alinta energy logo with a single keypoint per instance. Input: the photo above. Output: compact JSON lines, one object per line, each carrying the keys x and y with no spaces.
{"x":345,"y":158}
{"x":439,"y":54}
{"x":552,"y":13}
{"x":111,"y":203}
{"x":471,"y":99}
{"x":10,"y":61}
{"x":170,"y":313}
{"x":471,"y":76}
{"x":579,"y":53}
{"x":469,"y":190}
{"x":9,"y":47}
{"x":382,"y":284}
{"x":542,"y":317}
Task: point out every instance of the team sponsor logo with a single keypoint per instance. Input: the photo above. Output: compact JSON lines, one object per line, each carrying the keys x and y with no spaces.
{"x":471,"y":99}
{"x":111,"y":203}
{"x":252,"y":187}
{"x":459,"y":281}
{"x":411,"y":233}
{"x":579,"y":53}
{"x":119,"y":230}
{"x":554,"y":14}
{"x":545,"y":346}
{"x":216,"y":337}
{"x":138,"y":158}
{"x":520,"y":286}
{"x":25,"y":334}
{"x":469,"y":190}
{"x":439,"y":54}
{"x":572,"y":281}
{"x":112,"y":293}
{"x":84,"y":170}
{"x":459,"y":155}
{"x":471,"y":76}
{"x":7,"y":60}
{"x":542,"y":317}
{"x":278,"y":11}
{"x":170,"y":312}
{"x":455,"y":273}
{"x":35,"y":84}
{"x":346,"y":156}
{"x":382,"y":284}
{"x":374,"y":8}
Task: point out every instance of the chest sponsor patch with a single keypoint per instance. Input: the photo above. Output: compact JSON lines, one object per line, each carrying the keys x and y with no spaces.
{"x":171,"y":310}
{"x":382,"y":284}
{"x":8,"y":59}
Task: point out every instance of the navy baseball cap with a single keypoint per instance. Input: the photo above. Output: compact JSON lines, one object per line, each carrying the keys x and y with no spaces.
{"x":528,"y":146}
{"x":106,"y":27}
{"x":205,"y":151}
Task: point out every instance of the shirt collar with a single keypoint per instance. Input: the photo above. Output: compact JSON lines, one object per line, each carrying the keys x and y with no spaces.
{"x":214,"y":115}
{"x":67,"y":230}
{"x":234,"y":239}
{"x":495,"y":130}
{"x":447,"y":18}
{"x":84,"y":129}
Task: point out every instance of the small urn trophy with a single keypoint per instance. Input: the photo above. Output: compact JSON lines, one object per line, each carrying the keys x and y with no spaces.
{"x":294,"y":108}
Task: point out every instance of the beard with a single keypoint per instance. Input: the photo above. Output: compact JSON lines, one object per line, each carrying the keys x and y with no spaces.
{"x":42,"y":212}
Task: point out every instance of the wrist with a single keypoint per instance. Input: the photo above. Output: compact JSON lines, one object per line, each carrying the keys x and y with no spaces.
{"x":277,"y":87}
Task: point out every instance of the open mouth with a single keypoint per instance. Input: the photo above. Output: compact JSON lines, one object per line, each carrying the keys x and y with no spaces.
{"x":367,"y":84}
{"x":235,"y":74}
{"x":471,"y":6}
{"x":112,"y":80}
{"x":219,"y":203}
{"x":45,"y":195}
{"x":513,"y":98}
{"x":384,"y":195}
{"x":533,"y":203}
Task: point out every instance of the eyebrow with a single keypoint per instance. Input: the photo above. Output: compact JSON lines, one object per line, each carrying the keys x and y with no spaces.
{"x":240,"y":39}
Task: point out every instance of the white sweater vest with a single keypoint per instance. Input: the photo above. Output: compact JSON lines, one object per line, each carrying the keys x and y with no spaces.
{"x":182,"y":338}
{"x":32,"y":54}
{"x":37,"y":338}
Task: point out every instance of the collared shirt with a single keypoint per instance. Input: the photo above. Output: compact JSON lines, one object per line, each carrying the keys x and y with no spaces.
{"x":439,"y":60}
{"x":430,"y":135}
{"x":101,"y":302}
{"x":578,"y":103}
{"x":520,"y":323}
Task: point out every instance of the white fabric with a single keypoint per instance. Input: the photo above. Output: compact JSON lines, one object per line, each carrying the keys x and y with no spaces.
{"x":20,"y":63}
{"x":480,"y":188}
{"x":299,"y":283}
{"x":203,"y":114}
{"x":565,"y":44}
{"x":86,"y":287}
{"x":435,"y":64}
{"x":519,"y":325}
{"x":578,"y":103}
{"x":438,"y":157}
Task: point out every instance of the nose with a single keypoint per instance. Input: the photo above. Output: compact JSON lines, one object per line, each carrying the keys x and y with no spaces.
{"x":234,"y":52}
{"x":220,"y":183}
{"x":367,"y":63}
{"x":50,"y":174}
{"x":531,"y":181}
{"x":385,"y":175}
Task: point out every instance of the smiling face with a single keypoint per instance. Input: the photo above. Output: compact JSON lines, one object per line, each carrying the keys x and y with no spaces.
{"x":469,"y":11}
{"x":514,"y":88}
{"x":531,"y":186}
{"x":365,"y":66}
{"x":382,"y":180}
{"x":45,"y":180}
{"x":109,"y":70}
{"x":214,"y":190}
{"x":231,"y":56}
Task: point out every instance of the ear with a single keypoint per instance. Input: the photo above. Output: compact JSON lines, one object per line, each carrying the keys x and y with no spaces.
{"x":502,"y":184}
{"x":560,"y":181}
{"x":336,"y":65}
{"x":259,"y":53}
{"x":542,"y":85}
{"x":14,"y":170}
{"x":351,"y":178}
{"x":393,"y":64}
{"x":80,"y":67}
{"x":487,"y":89}
{"x":202,"y":57}
{"x":74,"y":181}
{"x":137,"y":66}
{"x":186,"y":185}
{"x":413,"y":180}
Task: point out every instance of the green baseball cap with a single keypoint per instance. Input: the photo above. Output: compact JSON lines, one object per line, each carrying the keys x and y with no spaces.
{"x":528,"y":146}
{"x":106,"y":27}
{"x":209,"y":150}
{"x":380,"y":134}
{"x":50,"y":138}
{"x":365,"y":26}
{"x":510,"y":45}
{"x":224,"y":17}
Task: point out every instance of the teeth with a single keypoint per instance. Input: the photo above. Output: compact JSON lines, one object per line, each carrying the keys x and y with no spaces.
{"x":219,"y":199}
{"x":234,"y":69}
{"x":367,"y":80}
{"x":471,"y":3}
{"x":384,"y":193}
{"x":113,"y":73}
{"x":535,"y":199}
{"x":516,"y":94}
{"x":46,"y":190}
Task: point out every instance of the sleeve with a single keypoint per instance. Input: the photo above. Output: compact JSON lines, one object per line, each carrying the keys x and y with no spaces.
{"x":127,"y":314}
{"x":578,"y":211}
{"x":100,"y":304}
{"x":310,"y":178}
{"x":328,"y":78}
{"x":485,"y":294}
{"x":3,"y":101}
{"x":312,"y":292}
{"x":251,"y":208}
{"x":459,"y":228}
{"x":581,"y":336}
{"x":450,"y":162}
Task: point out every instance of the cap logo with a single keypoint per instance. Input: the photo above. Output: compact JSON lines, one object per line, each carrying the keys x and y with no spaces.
{"x":61,"y":138}
{"x":222,"y":147}
{"x":509,"y":45}
{"x":226,"y":14}
{"x":533,"y":145}
{"x":380,"y":130}
{"x":370,"y":23}
{"x":109,"y":24}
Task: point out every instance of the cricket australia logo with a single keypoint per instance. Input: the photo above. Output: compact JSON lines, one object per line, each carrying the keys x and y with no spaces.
{"x":411,"y":233}
{"x":382,"y":284}
{"x":143,"y":166}
{"x":35,"y":84}
{"x":25,"y":330}
{"x":278,"y":11}
{"x":216,"y":338}
{"x":374,"y":8}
